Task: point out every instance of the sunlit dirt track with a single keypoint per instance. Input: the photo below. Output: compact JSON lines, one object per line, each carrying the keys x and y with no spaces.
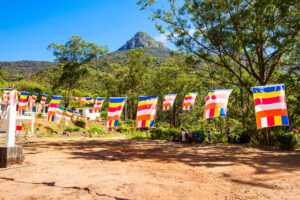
{"x":126,"y":169}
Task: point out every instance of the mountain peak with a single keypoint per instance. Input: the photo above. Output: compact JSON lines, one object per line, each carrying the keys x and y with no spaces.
{"x":141,"y":40}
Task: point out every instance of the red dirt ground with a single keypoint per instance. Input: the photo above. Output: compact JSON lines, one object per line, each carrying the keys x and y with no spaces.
{"x":124,"y":169}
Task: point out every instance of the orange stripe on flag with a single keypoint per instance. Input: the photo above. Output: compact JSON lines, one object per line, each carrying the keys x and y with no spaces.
{"x":275,"y":112}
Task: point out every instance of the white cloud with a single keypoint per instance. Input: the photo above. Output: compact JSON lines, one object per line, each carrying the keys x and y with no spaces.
{"x":162,"y":38}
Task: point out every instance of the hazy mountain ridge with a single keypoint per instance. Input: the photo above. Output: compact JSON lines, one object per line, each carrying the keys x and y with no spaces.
{"x":142,"y":40}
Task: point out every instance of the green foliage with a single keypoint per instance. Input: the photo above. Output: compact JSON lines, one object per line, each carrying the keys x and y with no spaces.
{"x":74,"y":57}
{"x":236,"y":44}
{"x":80,"y":123}
{"x":218,"y":138}
{"x":286,"y":141}
{"x":137,"y":135}
{"x":164,"y":133}
{"x":72,"y":129}
{"x":95,"y":130}
{"x":246,"y":39}
{"x":228,"y":44}
{"x":30,"y":86}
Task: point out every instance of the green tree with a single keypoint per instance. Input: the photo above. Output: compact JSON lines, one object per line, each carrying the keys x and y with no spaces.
{"x":247,"y":38}
{"x":74,"y":57}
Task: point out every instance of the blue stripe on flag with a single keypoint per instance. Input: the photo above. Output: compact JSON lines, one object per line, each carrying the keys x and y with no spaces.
{"x":270,"y":88}
{"x":144,"y":98}
{"x":56,"y":97}
{"x":117,"y":99}
{"x":25,"y":93}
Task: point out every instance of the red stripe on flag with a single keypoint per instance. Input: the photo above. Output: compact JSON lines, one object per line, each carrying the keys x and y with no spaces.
{"x":188,"y":98}
{"x":113,"y":109}
{"x":271,"y":100}
{"x":144,"y":107}
{"x":53,"y":105}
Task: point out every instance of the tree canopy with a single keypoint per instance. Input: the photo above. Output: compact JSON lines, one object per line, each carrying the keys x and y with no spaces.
{"x":247,"y":38}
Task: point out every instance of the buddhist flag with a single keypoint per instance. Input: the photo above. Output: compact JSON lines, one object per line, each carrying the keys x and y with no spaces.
{"x":5,"y":98}
{"x":23,"y":101}
{"x":43,"y":100}
{"x":146,"y":111}
{"x":59,"y":114}
{"x":89,"y":100}
{"x":216,"y":103}
{"x":86,"y":101}
{"x":55,"y":102}
{"x":115,"y":108}
{"x":53,"y":106}
{"x":270,"y":106}
{"x":68,"y":115}
{"x":189,"y":101}
{"x":168,"y":101}
{"x":32,"y":100}
{"x":98,"y":104}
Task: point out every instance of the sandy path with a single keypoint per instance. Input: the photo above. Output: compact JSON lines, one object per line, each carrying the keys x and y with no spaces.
{"x":122,"y":169}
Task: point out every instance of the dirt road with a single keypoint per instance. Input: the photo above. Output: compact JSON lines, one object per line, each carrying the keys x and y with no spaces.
{"x":124,"y":169}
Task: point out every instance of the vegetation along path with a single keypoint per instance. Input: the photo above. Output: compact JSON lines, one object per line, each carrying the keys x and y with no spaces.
{"x":138,"y":169}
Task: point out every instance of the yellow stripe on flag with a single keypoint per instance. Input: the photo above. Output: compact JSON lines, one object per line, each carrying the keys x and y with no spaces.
{"x":147,"y":102}
{"x":267,"y":94}
{"x":113,"y":105}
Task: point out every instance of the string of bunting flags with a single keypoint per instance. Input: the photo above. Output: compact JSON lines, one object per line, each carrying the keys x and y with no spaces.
{"x":269,"y":103}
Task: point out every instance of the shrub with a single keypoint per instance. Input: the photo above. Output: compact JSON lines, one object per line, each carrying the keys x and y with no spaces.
{"x":137,"y":134}
{"x":123,"y":129}
{"x":240,"y":137}
{"x":95,"y":131}
{"x":164,"y":133}
{"x":198,"y":136}
{"x":286,"y":141}
{"x":72,"y":129}
{"x":80,"y":123}
{"x":218,"y":137}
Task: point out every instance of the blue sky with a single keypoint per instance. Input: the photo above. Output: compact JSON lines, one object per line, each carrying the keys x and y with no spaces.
{"x":28,"y":26}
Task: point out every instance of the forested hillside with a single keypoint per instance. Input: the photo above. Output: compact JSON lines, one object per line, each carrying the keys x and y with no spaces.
{"x":235,"y":52}
{"x":20,"y":69}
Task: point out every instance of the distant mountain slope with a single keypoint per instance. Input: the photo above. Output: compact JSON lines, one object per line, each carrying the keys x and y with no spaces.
{"x":24,"y":68}
{"x":139,"y":40}
{"x":142,"y":40}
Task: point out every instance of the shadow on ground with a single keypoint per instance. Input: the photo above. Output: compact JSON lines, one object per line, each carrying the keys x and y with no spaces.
{"x":165,"y":152}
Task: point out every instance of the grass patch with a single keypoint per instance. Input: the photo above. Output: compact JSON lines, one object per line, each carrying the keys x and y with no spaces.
{"x":138,"y":135}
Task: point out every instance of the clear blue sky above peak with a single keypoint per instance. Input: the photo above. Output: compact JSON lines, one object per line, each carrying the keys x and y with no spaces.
{"x":28,"y":26}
